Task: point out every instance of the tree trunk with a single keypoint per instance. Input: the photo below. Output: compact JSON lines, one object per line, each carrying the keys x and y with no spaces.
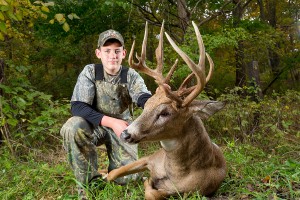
{"x":256,"y":95}
{"x":239,"y":51}
{"x":2,"y":75}
{"x":240,"y":72}
{"x":253,"y":74}
{"x":273,"y":55}
{"x":2,"y":78}
{"x":262,"y":14}
{"x":274,"y":62}
{"x":184,"y":14}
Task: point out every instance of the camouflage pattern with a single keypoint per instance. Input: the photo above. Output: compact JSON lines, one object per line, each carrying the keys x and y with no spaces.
{"x":109,"y":34}
{"x":80,"y":138}
{"x":85,"y":90}
{"x":78,"y":141}
{"x":116,"y":97}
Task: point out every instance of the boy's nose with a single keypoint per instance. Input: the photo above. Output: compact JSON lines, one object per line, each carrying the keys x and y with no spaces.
{"x":113,"y":54}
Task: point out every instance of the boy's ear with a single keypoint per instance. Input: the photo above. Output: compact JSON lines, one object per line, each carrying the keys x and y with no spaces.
{"x":98,"y":52}
{"x":124,"y":53}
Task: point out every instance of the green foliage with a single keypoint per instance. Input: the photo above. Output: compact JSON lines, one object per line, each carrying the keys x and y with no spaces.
{"x":16,"y":17}
{"x":255,"y":26}
{"x":227,"y":38}
{"x":57,"y":77}
{"x":29,"y":115}
{"x":246,"y":119}
{"x":219,"y":45}
{"x":88,"y":18}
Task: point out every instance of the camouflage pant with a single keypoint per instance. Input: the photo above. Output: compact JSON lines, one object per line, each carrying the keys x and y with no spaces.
{"x":80,"y":140}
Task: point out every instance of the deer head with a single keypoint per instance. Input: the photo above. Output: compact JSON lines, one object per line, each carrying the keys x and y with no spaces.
{"x":166,"y":111}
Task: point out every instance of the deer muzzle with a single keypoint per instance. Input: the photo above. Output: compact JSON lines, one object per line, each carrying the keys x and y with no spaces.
{"x":125,"y":136}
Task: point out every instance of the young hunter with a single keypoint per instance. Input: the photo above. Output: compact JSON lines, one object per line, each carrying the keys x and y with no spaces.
{"x":101,"y":107}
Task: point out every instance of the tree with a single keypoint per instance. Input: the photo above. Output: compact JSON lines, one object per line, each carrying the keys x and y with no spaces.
{"x":237,"y":14}
{"x":282,"y":16}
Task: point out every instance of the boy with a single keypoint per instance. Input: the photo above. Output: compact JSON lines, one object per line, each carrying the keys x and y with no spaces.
{"x":101,"y":109}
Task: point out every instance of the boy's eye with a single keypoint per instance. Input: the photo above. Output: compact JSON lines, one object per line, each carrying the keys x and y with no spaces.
{"x":116,"y":51}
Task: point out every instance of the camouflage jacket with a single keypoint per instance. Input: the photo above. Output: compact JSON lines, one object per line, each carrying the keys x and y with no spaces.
{"x":109,"y":96}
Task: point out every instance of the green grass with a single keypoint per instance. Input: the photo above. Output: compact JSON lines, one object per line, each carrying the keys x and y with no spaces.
{"x":252,"y":174}
{"x":34,"y":179}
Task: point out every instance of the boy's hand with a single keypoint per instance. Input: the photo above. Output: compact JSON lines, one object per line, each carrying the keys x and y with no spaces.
{"x":117,"y":125}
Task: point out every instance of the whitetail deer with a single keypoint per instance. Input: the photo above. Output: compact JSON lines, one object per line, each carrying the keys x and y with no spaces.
{"x":188,"y":161}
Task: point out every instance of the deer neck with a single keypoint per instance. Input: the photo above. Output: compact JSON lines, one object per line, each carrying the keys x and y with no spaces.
{"x":185,"y":149}
{"x":169,"y":145}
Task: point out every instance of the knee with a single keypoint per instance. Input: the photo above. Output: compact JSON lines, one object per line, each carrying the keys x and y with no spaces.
{"x":73,"y":125}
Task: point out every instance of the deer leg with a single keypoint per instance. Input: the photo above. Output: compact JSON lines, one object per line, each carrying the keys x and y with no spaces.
{"x":152,"y":193}
{"x":131,"y":168}
{"x":103,"y":172}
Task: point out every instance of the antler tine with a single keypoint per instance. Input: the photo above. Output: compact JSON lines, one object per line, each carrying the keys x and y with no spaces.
{"x":211,"y":67}
{"x":183,"y":90}
{"x":159,"y":50}
{"x":141,"y":64}
{"x":201,"y":62}
{"x":170,"y":73}
{"x":186,"y":80}
{"x":198,"y":70}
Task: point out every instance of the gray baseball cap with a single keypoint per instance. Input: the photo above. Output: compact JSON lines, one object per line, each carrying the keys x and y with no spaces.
{"x":109,"y":34}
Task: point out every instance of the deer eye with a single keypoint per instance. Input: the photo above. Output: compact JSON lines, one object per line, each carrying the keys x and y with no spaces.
{"x":164,"y":113}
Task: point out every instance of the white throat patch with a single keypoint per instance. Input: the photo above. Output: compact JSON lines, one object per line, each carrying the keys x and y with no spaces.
{"x":168,"y":145}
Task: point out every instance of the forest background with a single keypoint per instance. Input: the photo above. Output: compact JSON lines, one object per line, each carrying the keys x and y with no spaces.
{"x":256,"y":50}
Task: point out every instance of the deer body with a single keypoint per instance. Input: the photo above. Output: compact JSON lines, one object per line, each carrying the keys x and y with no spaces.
{"x":194,"y":163}
{"x":188,"y":161}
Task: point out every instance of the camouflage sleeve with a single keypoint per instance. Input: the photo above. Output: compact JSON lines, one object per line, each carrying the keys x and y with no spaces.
{"x":84,"y":89}
{"x":136,"y":85}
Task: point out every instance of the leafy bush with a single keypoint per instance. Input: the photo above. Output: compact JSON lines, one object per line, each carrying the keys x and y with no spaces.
{"x":246,"y":120}
{"x":277,"y":110}
{"x":28,"y":117}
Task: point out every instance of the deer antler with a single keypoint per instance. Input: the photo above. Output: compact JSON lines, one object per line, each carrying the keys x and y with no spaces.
{"x":155,"y":73}
{"x":183,"y":96}
{"x":198,"y":70}
{"x":141,"y":64}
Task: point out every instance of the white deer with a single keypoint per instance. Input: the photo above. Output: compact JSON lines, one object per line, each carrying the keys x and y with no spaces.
{"x":188,"y":160}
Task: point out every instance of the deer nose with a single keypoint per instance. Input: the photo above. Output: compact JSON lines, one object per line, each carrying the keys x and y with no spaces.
{"x":125,"y":135}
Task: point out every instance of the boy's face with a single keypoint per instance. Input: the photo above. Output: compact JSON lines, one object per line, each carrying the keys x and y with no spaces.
{"x":111,"y":55}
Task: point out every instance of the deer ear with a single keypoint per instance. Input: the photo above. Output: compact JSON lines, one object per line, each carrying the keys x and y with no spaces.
{"x":206,"y":108}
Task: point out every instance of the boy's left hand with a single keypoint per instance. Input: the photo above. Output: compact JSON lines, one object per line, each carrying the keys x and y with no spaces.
{"x":117,"y":125}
